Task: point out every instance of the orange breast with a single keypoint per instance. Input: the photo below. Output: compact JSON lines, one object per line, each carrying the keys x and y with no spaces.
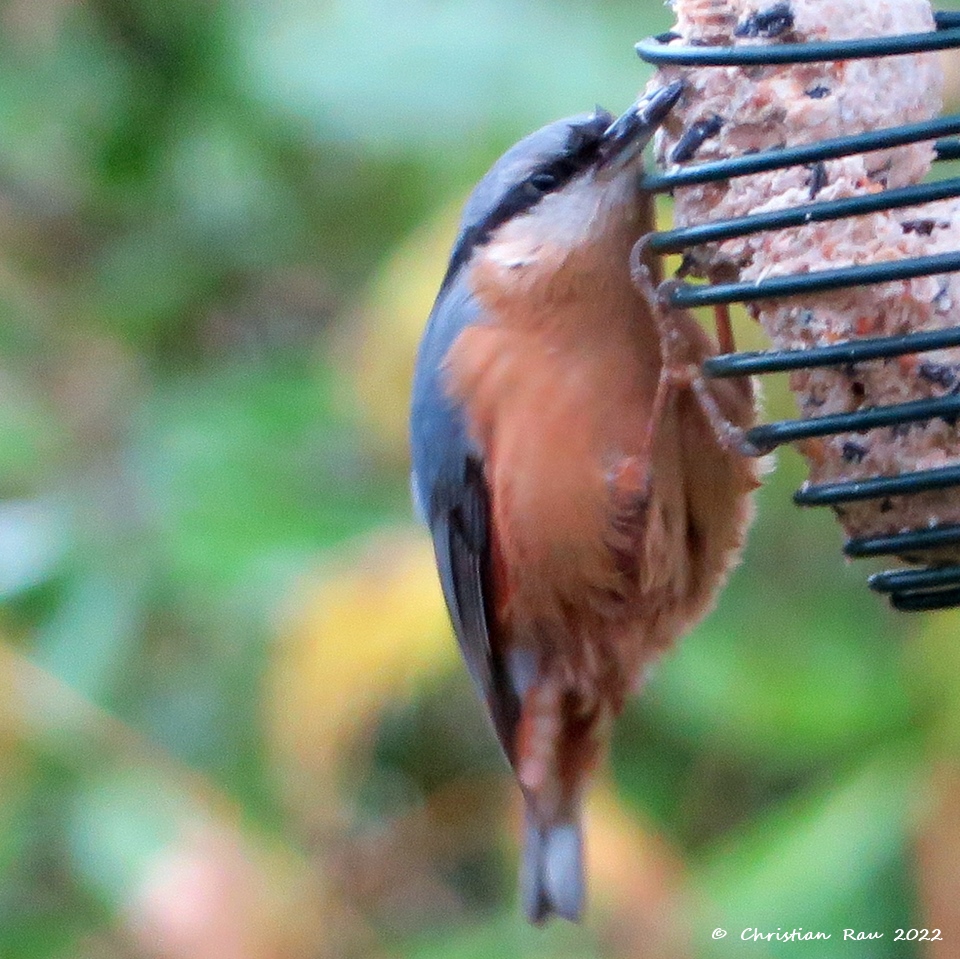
{"x":555,"y":423}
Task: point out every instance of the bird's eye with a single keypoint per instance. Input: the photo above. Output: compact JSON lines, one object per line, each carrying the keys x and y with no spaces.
{"x":543,"y":182}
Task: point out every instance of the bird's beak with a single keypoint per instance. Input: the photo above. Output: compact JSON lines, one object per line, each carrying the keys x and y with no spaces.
{"x":626,"y":137}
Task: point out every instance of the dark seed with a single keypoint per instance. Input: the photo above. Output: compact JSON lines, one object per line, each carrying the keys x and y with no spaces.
{"x":818,"y":178}
{"x":938,"y":373}
{"x":920,"y":227}
{"x":942,"y":301}
{"x":766,"y":23}
{"x":854,"y":452}
{"x":818,"y":92}
{"x":886,"y":506}
{"x":694,"y":138}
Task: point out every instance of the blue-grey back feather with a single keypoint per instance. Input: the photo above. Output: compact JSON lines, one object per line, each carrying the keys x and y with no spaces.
{"x":451,"y":489}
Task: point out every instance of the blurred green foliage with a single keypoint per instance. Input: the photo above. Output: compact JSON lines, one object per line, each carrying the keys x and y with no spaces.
{"x":227,"y":726}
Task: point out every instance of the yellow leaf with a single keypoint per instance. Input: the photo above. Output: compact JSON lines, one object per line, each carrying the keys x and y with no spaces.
{"x":358,"y":639}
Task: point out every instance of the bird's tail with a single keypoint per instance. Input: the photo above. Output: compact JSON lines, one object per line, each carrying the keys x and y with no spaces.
{"x":551,"y":875}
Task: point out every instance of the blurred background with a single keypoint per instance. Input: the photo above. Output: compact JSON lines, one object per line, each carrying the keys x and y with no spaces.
{"x":233,"y":724}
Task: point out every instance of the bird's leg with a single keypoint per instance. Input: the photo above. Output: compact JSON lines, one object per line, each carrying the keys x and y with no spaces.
{"x":643,"y":281}
{"x":680,"y":366}
{"x":729,"y":435}
{"x":721,"y":318}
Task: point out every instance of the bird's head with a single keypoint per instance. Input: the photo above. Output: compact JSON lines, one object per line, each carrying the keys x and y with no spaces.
{"x":564,"y":186}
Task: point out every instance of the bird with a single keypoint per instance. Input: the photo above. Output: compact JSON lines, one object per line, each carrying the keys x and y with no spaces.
{"x":583,"y":485}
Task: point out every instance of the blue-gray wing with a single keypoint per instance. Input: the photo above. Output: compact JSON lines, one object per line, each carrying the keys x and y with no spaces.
{"x":451,"y":496}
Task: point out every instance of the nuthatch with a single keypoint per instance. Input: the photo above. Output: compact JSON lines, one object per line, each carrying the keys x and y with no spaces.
{"x":576,"y":472}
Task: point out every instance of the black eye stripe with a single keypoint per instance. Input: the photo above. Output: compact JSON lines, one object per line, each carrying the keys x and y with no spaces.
{"x":579,"y":153}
